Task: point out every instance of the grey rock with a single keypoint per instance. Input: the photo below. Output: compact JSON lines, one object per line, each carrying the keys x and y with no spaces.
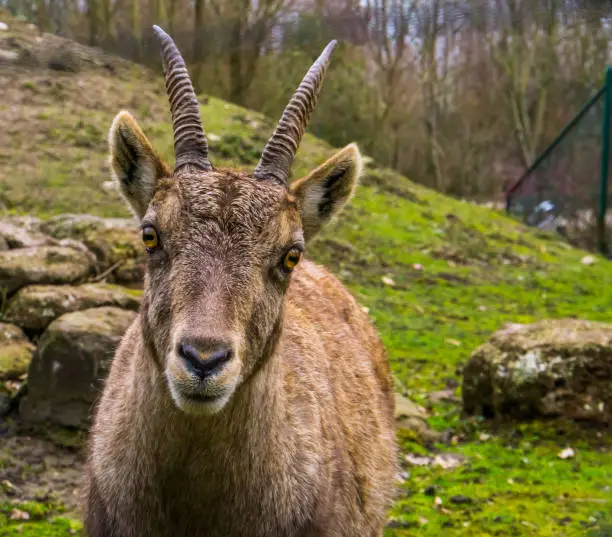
{"x":18,"y":236}
{"x":78,"y":226}
{"x":15,"y":352}
{"x":34,"y":307}
{"x":411,"y":416}
{"x":552,"y":368}
{"x":42,"y":265}
{"x":70,"y":365}
{"x":115,"y":243}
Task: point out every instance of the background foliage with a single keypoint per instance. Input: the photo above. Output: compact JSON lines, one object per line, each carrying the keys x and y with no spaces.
{"x":459,"y":95}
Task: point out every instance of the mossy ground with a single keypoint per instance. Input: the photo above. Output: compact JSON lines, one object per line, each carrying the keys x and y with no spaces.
{"x":43,"y":520}
{"x":453,"y":274}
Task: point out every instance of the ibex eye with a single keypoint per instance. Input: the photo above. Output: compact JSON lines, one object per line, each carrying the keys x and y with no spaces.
{"x":291,"y":259}
{"x":150,"y":238}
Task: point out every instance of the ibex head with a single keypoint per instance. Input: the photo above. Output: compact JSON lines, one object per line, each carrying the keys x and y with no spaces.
{"x":221,"y":244}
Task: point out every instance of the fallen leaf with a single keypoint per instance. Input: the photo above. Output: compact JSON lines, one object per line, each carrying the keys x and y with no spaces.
{"x":442,"y":395}
{"x":415,"y":460}
{"x":461,"y":499}
{"x":18,"y":514}
{"x":455,"y":342}
{"x":567,"y":453}
{"x":423,"y":520}
{"x":8,"y":488}
{"x":12,"y":386}
{"x":484,"y":437}
{"x":388,"y":281}
{"x":402,"y":476}
{"x":588,"y":260}
{"x":444,"y":460}
{"x":417,"y":266}
{"x":438,"y":501}
{"x":448,"y":460}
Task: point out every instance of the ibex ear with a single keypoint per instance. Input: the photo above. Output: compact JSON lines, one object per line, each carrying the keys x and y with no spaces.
{"x":323,"y":192}
{"x":134,"y":163}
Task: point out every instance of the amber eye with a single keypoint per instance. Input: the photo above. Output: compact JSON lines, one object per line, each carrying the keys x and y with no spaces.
{"x":149,"y":237}
{"x":291,"y":259}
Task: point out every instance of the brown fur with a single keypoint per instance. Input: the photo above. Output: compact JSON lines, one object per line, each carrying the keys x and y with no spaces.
{"x":301,"y":440}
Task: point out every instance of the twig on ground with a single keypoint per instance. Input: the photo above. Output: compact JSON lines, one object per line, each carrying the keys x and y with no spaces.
{"x":104,"y":274}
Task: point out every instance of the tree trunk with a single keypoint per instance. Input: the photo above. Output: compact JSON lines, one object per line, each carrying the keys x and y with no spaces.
{"x":93,"y":21}
{"x":196,"y":53}
{"x":172,"y":15}
{"x":235,"y":60}
{"x":137,"y":29}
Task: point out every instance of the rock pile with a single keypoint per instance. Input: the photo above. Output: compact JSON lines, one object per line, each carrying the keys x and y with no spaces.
{"x":69,"y":288}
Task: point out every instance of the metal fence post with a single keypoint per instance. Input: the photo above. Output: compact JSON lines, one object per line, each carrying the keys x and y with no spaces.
{"x":605,"y":160}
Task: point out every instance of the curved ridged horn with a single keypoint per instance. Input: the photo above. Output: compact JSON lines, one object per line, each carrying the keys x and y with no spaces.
{"x":279,"y":152}
{"x":190,"y":145}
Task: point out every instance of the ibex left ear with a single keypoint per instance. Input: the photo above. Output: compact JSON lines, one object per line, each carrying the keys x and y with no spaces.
{"x":323,"y":192}
{"x":134,"y":163}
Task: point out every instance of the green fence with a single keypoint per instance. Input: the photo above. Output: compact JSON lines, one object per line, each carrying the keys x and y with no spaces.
{"x":566,"y":189}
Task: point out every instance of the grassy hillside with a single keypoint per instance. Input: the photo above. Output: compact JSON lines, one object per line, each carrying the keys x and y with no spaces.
{"x":438,"y":276}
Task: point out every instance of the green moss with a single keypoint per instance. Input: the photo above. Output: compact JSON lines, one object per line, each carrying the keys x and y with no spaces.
{"x":126,"y":290}
{"x":512,"y":483}
{"x":65,"y":437}
{"x":14,"y":359}
{"x":44,"y":520}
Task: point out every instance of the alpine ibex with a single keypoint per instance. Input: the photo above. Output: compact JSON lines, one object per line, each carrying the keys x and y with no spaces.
{"x":251,"y":397}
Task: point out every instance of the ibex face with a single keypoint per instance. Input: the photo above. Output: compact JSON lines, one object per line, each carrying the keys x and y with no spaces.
{"x":221,"y":244}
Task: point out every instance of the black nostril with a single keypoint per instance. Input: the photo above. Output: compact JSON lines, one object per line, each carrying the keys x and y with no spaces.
{"x":218,"y":359}
{"x":189,"y":353}
{"x":204,"y":365}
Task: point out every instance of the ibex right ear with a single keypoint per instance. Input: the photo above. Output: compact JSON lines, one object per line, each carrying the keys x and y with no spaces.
{"x":134,"y":163}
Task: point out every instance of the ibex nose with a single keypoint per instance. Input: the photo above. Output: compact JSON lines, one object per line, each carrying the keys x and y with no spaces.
{"x":204,"y":358}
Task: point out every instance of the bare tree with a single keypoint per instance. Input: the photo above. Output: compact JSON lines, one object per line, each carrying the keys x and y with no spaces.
{"x":249,"y":25}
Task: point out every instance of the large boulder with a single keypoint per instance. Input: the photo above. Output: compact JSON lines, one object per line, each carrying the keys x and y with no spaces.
{"x":42,"y":265}
{"x":70,"y":365}
{"x":34,"y":307}
{"x":552,"y":368}
{"x":15,"y":352}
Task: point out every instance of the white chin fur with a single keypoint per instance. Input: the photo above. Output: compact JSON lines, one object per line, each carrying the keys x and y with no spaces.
{"x":194,"y":406}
